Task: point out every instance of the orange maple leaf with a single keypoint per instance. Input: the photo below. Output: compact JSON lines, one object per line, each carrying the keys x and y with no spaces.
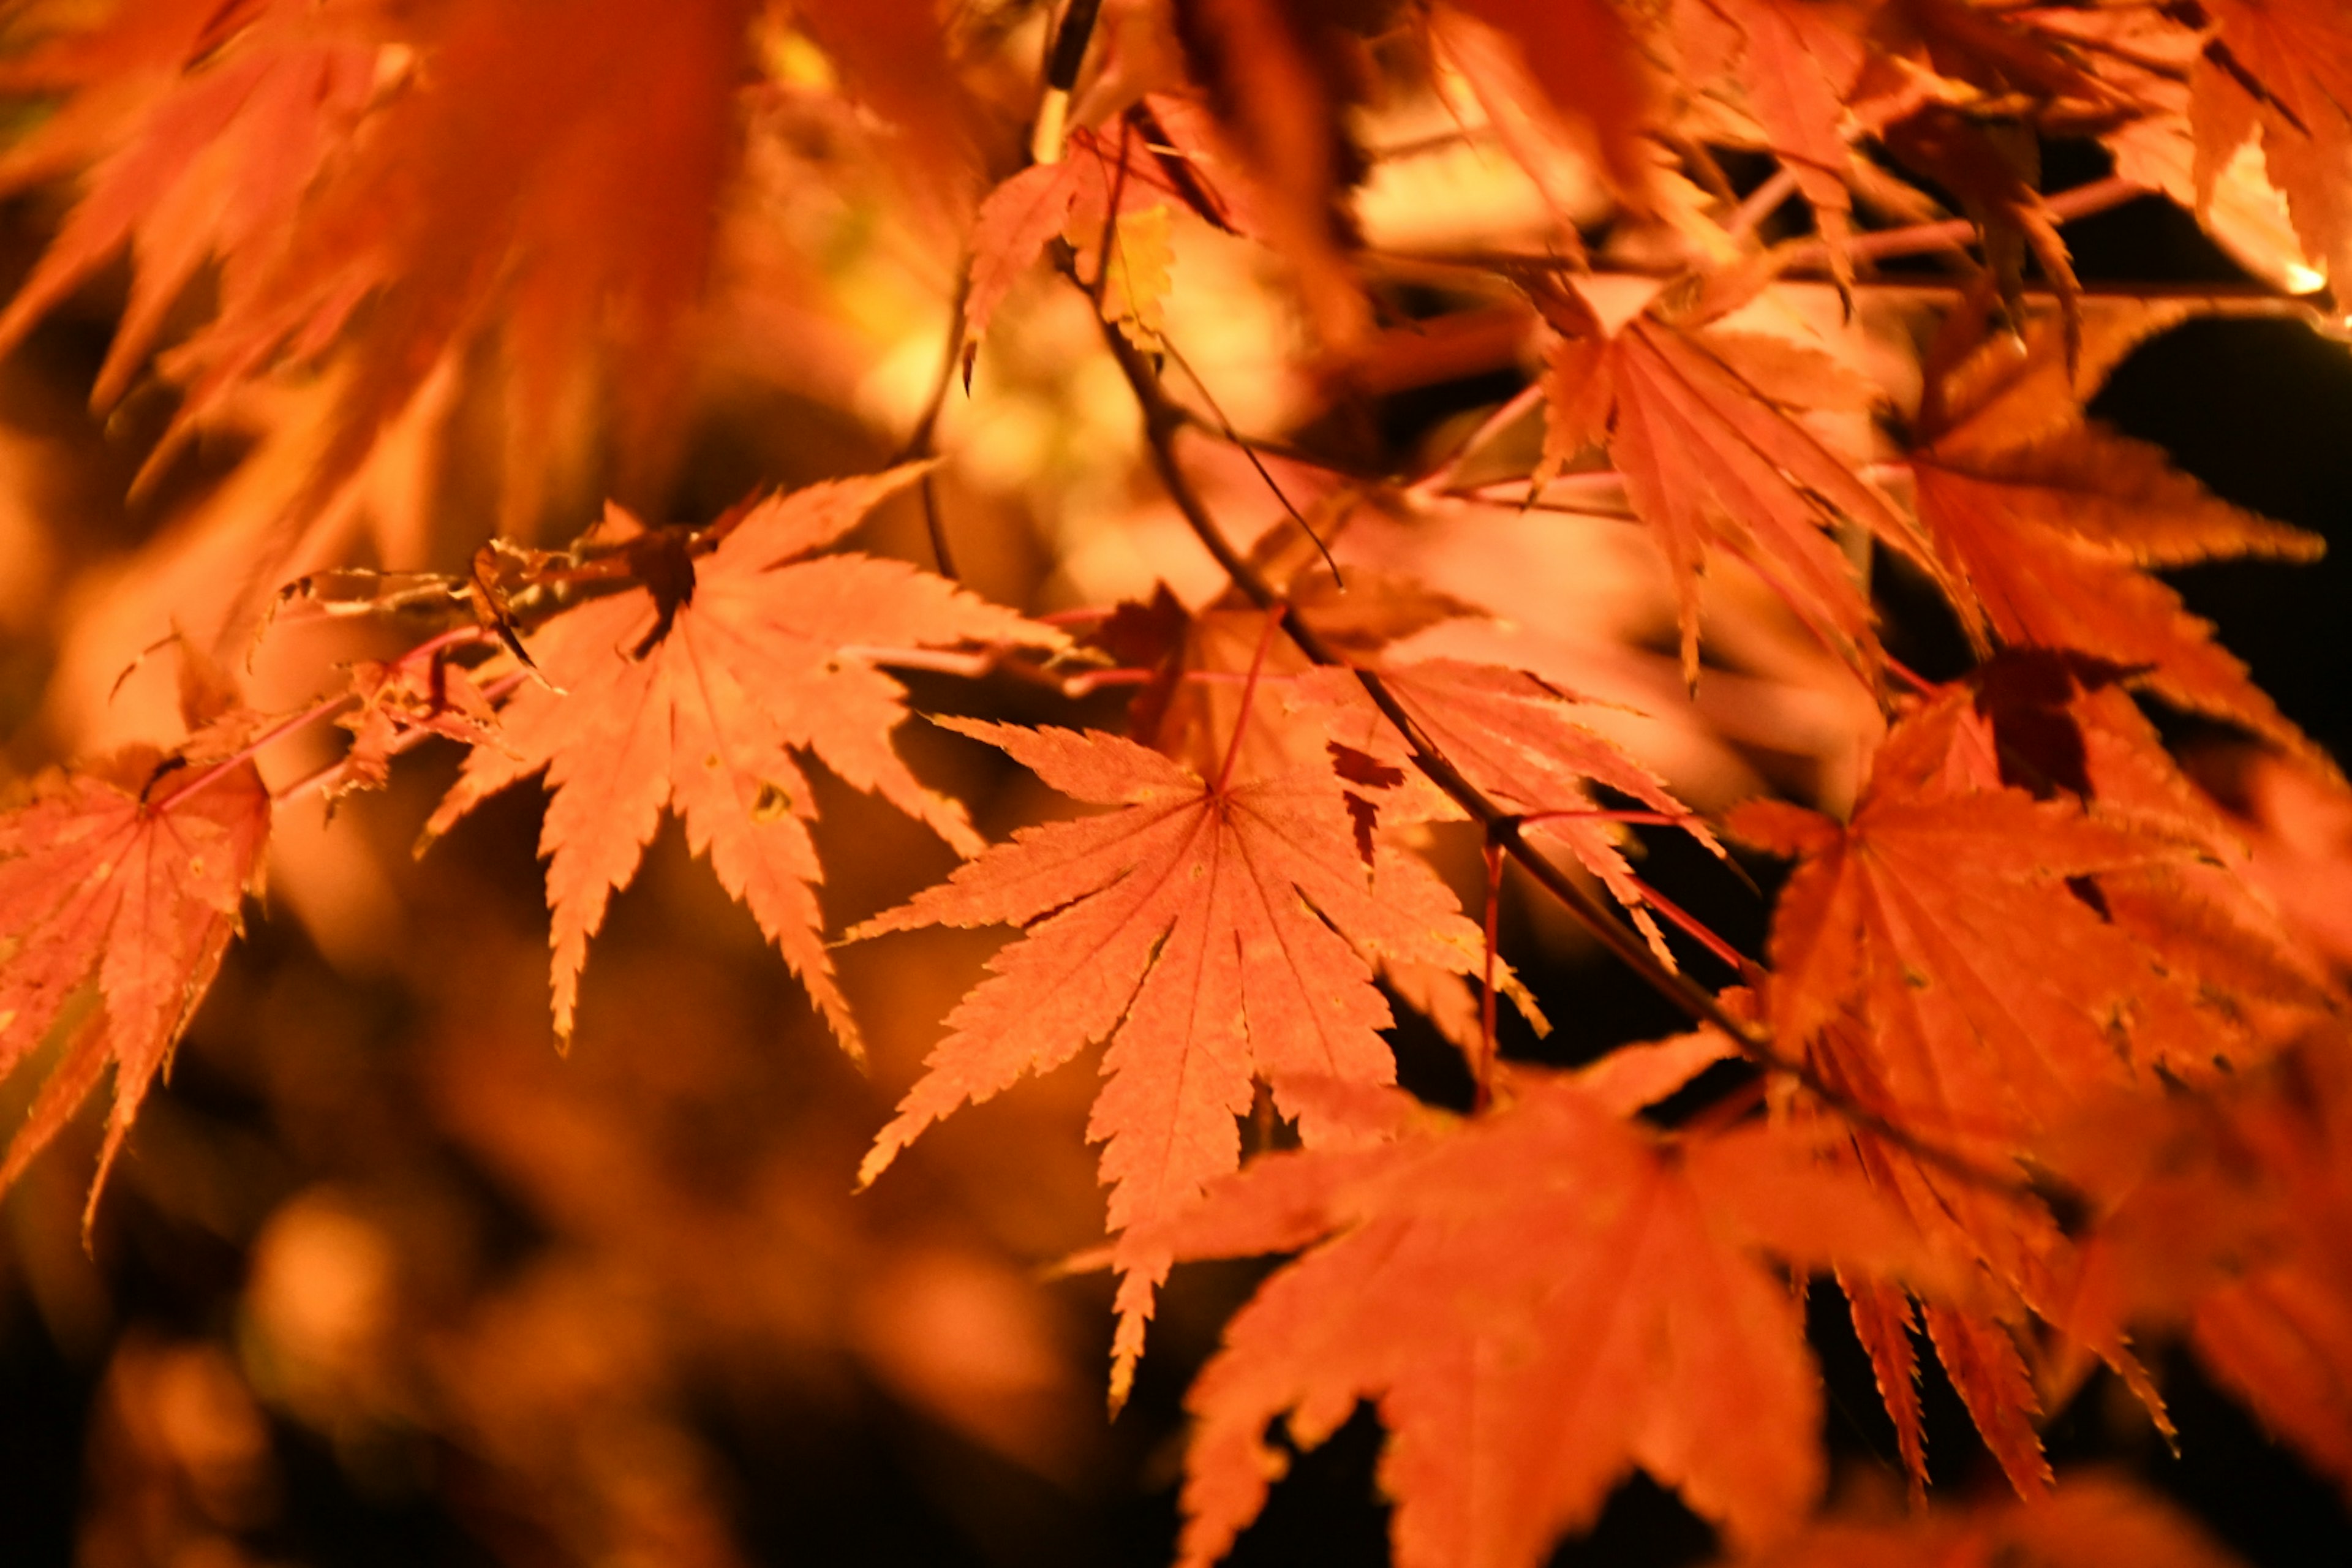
{"x":695,"y":697}
{"x":2231,"y":1216}
{"x":1946,"y":960}
{"x":2089,"y":1522}
{"x":1711,"y":459}
{"x":203,"y":127}
{"x":400,"y":704}
{"x":457,"y":168}
{"x":129,"y":876}
{"x":1796,"y":65}
{"x":1527,"y":1341}
{"x":1215,"y":934}
{"x":1946,"y":916}
{"x":2283,"y":67}
{"x":1581,"y":57}
{"x":1519,"y":738}
{"x":2044,"y":520}
{"x":1072,"y":196}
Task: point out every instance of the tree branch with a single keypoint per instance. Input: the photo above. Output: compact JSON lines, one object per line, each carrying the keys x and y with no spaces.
{"x":1161,"y":420}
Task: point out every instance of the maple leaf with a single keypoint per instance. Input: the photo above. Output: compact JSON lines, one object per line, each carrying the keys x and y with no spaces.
{"x":203,"y":127}
{"x":2232,"y":1216}
{"x":400,"y":703}
{"x":2089,"y":1522}
{"x":1193,"y":708}
{"x":1071,"y":198}
{"x":1518,"y":738}
{"x":1582,"y":58}
{"x":127,"y":877}
{"x":693,"y":689}
{"x":2280,"y":66}
{"x":1795,"y":64}
{"x":2049,"y":723}
{"x":1951,"y":960}
{"x":1711,"y":459}
{"x":1527,"y":1342}
{"x":1215,"y":934}
{"x":456,"y":168}
{"x":1945,"y":916}
{"x":2044,"y":520}
{"x":1995,"y":173}
{"x":1128,"y":264}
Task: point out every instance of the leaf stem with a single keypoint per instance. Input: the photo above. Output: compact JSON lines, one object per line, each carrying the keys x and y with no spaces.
{"x":1910,"y":239}
{"x":920,"y":440}
{"x":1762,"y":202}
{"x":1482,"y":1069}
{"x":1161,"y":420}
{"x":245,"y":752}
{"x":1691,"y":926}
{"x":1273,"y":615}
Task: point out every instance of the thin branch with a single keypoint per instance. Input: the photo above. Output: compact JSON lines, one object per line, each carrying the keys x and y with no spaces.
{"x":1249,"y":449}
{"x":1802,"y":256}
{"x":1161,"y":420}
{"x":1762,"y":202}
{"x":1484,"y":1069}
{"x":919,"y":440}
{"x":275,"y":732}
{"x":1919,"y":239}
{"x":1249,"y":691}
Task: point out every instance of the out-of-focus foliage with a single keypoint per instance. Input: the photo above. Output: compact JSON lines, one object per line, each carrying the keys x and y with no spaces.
{"x":1404,"y":463}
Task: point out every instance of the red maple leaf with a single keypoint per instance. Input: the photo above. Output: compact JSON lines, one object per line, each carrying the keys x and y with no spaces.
{"x":1072,"y":196}
{"x":1519,"y":739}
{"x":2089,"y":1522}
{"x":2046,"y":522}
{"x":1712,"y":459}
{"x":127,"y":877}
{"x":457,"y":169}
{"x":695,"y":696}
{"x":1215,"y":934}
{"x":1993,"y":997}
{"x":1527,"y":1342}
{"x":2283,"y":67}
{"x":1948,"y":959}
{"x":2232,"y":1216}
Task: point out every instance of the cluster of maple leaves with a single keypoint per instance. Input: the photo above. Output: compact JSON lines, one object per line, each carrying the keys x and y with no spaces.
{"x":2042,"y":1065}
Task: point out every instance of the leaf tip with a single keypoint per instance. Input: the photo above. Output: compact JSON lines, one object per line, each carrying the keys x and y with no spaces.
{"x":878,"y":1159}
